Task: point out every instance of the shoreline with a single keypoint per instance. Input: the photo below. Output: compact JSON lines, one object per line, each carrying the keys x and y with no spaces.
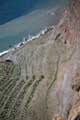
{"x":29,"y":37}
{"x":27,"y":40}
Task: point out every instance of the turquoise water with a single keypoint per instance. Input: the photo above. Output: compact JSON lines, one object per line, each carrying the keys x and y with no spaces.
{"x":11,"y":9}
{"x":27,"y":18}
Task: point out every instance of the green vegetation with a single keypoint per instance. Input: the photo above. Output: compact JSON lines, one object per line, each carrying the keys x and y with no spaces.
{"x":9,"y":78}
{"x":33,"y":91}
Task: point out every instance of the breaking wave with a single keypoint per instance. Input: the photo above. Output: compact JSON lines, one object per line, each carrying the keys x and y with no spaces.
{"x":27,"y":40}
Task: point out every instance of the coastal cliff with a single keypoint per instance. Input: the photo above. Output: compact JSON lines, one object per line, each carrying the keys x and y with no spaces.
{"x":41,"y":79}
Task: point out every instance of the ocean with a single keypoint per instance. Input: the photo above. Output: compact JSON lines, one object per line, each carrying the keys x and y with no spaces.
{"x":20,"y":18}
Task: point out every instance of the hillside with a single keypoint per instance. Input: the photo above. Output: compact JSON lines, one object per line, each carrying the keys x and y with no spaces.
{"x":41,"y":79}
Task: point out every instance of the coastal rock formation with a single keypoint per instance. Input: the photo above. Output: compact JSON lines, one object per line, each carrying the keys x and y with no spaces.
{"x":41,"y":79}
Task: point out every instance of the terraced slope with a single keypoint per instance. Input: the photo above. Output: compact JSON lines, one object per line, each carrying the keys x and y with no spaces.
{"x":28,"y":78}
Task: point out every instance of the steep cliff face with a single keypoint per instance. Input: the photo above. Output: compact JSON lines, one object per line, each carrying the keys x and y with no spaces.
{"x":74,"y":9}
{"x":41,"y":80}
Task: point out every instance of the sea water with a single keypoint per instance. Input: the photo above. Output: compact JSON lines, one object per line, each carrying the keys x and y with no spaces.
{"x":21,"y":18}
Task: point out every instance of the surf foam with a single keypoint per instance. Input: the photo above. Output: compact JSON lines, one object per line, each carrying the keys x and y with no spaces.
{"x":26,"y":40}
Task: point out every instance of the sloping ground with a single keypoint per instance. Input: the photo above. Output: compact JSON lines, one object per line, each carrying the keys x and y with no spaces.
{"x":41,"y":80}
{"x":30,"y":88}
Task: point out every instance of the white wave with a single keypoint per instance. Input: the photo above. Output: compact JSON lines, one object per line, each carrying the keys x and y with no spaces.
{"x":30,"y":37}
{"x":4,"y":52}
{"x":25,"y":40}
{"x":52,"y":13}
